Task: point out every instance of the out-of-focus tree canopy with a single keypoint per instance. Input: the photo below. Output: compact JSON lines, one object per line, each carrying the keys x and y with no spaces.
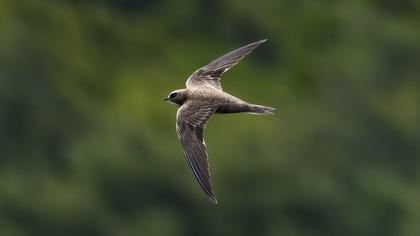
{"x":88,"y":147}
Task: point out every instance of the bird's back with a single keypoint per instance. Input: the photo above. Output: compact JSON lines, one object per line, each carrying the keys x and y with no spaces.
{"x":212,"y":95}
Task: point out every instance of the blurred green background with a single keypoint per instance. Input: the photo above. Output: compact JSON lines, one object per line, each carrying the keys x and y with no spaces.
{"x":88,"y":147}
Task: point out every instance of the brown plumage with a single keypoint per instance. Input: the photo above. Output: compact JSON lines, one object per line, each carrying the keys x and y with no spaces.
{"x":202,"y":98}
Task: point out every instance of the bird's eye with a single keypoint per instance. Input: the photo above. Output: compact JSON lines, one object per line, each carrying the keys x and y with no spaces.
{"x":172,"y":95}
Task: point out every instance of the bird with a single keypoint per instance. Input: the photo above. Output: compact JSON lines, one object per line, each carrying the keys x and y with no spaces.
{"x":201,"y":99}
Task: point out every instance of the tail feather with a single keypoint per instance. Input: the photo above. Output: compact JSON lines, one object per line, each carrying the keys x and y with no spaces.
{"x":261,"y":110}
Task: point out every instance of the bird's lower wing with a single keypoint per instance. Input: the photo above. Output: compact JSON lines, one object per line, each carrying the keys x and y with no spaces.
{"x":190,"y":123}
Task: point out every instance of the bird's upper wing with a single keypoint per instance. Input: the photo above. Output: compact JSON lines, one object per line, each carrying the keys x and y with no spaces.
{"x":210,"y":74}
{"x":191,"y":119}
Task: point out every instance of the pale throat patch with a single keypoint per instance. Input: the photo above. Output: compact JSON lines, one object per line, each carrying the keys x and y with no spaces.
{"x":173,"y":103}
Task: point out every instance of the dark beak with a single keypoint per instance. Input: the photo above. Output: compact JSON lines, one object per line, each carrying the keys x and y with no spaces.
{"x":165,"y":99}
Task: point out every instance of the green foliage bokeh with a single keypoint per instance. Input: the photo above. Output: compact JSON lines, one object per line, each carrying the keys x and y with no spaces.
{"x":88,"y":147}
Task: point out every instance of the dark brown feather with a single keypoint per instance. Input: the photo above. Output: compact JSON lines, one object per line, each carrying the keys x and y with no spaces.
{"x":190,"y":122}
{"x":210,"y":74}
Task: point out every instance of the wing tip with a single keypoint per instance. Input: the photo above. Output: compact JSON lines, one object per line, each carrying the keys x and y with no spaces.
{"x":212,"y":199}
{"x":260,"y":41}
{"x":255,"y":44}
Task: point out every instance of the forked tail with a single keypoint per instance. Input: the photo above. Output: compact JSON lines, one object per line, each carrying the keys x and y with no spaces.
{"x":261,"y":110}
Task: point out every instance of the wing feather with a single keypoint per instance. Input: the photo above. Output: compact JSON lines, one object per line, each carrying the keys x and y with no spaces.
{"x":210,"y":74}
{"x":190,"y":123}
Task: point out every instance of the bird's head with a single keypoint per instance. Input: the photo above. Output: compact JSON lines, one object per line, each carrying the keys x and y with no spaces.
{"x":177,"y":97}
